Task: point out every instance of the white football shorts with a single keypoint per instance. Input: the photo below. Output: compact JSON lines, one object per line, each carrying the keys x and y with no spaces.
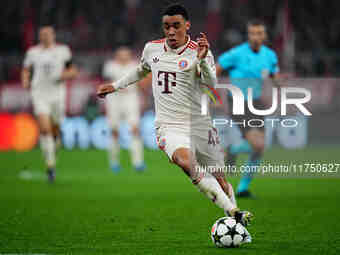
{"x":52,"y":104}
{"x":123,"y":107}
{"x":204,"y":144}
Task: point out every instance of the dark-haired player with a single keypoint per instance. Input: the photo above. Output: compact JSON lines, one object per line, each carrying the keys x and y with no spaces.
{"x":248,"y":65}
{"x":179,"y":66}
{"x":51,"y":64}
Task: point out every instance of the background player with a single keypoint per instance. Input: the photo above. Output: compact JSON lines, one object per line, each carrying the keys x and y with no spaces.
{"x":123,"y":105}
{"x":46,"y":68}
{"x":179,"y":66}
{"x":248,"y":65}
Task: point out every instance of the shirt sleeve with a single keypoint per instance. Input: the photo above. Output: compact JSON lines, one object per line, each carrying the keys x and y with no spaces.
{"x":227,"y":59}
{"x":67,"y":53}
{"x":67,"y":56}
{"x":208,"y":70}
{"x":144,"y":65}
{"x":28,"y":60}
{"x":274,"y":66}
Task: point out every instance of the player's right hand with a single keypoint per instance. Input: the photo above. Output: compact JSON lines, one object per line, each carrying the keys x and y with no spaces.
{"x":105,"y":89}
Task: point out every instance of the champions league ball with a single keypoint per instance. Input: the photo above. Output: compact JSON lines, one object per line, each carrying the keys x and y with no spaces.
{"x":227,"y":233}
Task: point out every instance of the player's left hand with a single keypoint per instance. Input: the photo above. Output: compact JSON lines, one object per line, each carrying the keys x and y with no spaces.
{"x":104,"y":90}
{"x":203,"y":46}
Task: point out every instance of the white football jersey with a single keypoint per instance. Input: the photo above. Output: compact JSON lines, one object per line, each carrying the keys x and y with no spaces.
{"x":48,"y":65}
{"x":176,"y":85}
{"x":114,"y":71}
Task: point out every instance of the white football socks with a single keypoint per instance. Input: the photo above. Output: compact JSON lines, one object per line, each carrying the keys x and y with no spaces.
{"x":43,"y":145}
{"x":232,"y":194}
{"x":47,"y":145}
{"x":137,"y":153}
{"x":113,"y":150}
{"x":212,"y":189}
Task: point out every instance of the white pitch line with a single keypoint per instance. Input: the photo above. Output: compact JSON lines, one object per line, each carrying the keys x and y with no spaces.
{"x":28,"y":175}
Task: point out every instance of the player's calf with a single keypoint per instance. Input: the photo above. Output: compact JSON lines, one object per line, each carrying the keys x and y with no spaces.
{"x":47,"y":144}
{"x":183,"y":158}
{"x":227,"y":188}
{"x":205,"y":182}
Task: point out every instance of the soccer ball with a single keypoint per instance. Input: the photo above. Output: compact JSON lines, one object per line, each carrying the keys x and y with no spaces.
{"x":227,"y":233}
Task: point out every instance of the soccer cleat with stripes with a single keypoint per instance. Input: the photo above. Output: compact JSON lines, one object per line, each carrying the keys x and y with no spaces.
{"x":243,"y":217}
{"x":50,"y":174}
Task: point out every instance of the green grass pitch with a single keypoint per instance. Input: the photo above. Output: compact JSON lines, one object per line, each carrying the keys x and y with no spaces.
{"x":90,"y":210}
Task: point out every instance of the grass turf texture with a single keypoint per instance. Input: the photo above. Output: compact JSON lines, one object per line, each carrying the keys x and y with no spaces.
{"x":90,"y":210}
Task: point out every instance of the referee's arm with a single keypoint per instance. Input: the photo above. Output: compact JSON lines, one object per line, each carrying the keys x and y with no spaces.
{"x":276,"y":79}
{"x":219,"y":69}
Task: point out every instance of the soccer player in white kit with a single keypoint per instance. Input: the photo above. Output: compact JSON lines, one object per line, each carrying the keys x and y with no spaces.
{"x":179,"y":66}
{"x":123,"y":105}
{"x":46,"y":68}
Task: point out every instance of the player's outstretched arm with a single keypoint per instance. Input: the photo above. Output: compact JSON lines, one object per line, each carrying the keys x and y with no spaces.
{"x":206,"y":61}
{"x":105,"y":89}
{"x":131,"y":78}
{"x":25,"y":77}
{"x":277,"y":80}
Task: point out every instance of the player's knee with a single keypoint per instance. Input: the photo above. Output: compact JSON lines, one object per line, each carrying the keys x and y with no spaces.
{"x":45,"y":130}
{"x":56,"y":130}
{"x":115,"y":133}
{"x":135,"y":131}
{"x":45,"y":125}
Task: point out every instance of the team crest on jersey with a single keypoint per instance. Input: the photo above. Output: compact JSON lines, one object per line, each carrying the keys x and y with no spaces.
{"x":183,"y":63}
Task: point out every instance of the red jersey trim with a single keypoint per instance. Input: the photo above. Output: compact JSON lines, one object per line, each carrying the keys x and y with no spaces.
{"x":179,"y":53}
{"x":159,"y":41}
{"x":192,"y":45}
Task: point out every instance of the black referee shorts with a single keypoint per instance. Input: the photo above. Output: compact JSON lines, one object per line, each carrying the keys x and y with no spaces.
{"x":248,"y":120}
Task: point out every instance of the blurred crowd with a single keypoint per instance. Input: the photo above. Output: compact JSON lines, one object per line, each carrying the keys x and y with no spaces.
{"x":304,"y":33}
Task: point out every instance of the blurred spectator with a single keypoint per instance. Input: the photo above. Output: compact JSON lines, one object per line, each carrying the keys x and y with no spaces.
{"x":94,"y":28}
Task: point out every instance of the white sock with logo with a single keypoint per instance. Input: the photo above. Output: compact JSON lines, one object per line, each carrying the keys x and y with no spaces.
{"x":212,"y":189}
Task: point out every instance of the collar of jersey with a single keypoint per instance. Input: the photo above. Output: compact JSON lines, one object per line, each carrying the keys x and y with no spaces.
{"x":253,"y":52}
{"x":179,"y":50}
{"x":49,"y":48}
